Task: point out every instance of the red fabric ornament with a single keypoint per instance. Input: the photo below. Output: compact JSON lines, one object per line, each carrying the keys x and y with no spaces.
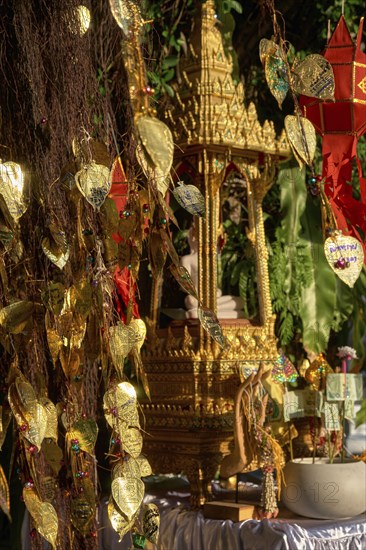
{"x":341,"y":123}
{"x":125,"y":288}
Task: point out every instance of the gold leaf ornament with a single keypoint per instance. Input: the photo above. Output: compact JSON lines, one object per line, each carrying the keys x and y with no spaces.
{"x":94,"y":183}
{"x":302,"y":138}
{"x":157,"y":140}
{"x":83,"y":507}
{"x":152,"y":173}
{"x":313,"y":77}
{"x":133,"y":467}
{"x":120,"y":407}
{"x":4,"y":494}
{"x":151,"y":522}
{"x":128,"y":494}
{"x":132,"y":441}
{"x":345,"y":256}
{"x":86,"y":432}
{"x":11,"y":188}
{"x":51,"y":413}
{"x":15,"y":317}
{"x":119,"y":523}
{"x":56,"y":247}
{"x":190,"y":198}
{"x":127,"y":15}
{"x":43,"y":514}
{"x":139,"y":328}
{"x":122,"y":338}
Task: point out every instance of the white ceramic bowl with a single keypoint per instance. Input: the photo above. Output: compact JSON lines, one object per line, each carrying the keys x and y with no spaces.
{"x":323,"y":490}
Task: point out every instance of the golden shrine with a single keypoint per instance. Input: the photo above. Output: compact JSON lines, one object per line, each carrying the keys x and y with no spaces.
{"x":192,"y":380}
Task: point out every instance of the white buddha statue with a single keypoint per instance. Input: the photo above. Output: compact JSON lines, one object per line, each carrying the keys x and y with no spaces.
{"x":228,"y":307}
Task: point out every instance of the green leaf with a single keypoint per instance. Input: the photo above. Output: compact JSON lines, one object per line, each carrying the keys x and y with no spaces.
{"x":170,"y":61}
{"x":318,"y":296}
{"x":293,"y":200}
{"x":361,"y":414}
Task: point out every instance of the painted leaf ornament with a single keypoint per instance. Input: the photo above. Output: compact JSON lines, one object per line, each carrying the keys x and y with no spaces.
{"x":11,"y":189}
{"x":119,"y":523}
{"x":43,"y":514}
{"x":283,"y":370}
{"x":275,"y":69}
{"x":302,"y":138}
{"x":190,"y":198}
{"x":211,"y":324}
{"x":345,"y":256}
{"x":127,"y":15}
{"x":313,"y":77}
{"x":55,"y":246}
{"x":268,"y":48}
{"x":94,"y":183}
{"x":183,"y":277}
{"x":151,"y":522}
{"x":157,"y":140}
{"x":128,"y":494}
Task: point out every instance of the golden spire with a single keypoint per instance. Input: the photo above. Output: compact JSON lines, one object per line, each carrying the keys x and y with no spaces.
{"x":208,"y":107}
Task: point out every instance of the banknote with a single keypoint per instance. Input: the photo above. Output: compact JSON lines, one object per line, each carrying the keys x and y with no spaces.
{"x":299,"y":403}
{"x":341,"y":386}
{"x":331,"y":416}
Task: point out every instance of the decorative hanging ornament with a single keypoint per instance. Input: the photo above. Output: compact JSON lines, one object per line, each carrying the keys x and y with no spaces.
{"x":183,"y":277}
{"x":345,"y":256}
{"x":313,"y":77}
{"x":119,"y":523}
{"x":157,"y":141}
{"x":302,"y":138}
{"x":55,"y":246}
{"x":122,"y":338}
{"x":283,"y":370}
{"x":211,"y":324}
{"x":317,"y":372}
{"x":275,"y":68}
{"x":190,"y":198}
{"x":151,"y":522}
{"x":43,"y":514}
{"x":341,"y":123}
{"x":4,"y":494}
{"x":127,"y":15}
{"x":94,"y":183}
{"x":120,"y":407}
{"x":128,"y":494}
{"x":11,"y":189}
{"x":85,"y":432}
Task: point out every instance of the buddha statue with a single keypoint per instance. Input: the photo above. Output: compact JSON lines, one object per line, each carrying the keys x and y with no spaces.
{"x":228,"y":307}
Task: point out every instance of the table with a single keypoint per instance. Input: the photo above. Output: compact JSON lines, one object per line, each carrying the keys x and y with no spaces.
{"x":183,"y":529}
